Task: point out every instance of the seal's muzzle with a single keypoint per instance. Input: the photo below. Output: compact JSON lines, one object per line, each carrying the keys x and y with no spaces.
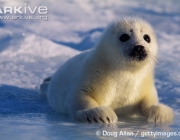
{"x":138,"y":53}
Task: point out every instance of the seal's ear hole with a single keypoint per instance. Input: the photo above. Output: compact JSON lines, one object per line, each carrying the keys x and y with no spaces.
{"x":147,"y":38}
{"x":124,"y":37}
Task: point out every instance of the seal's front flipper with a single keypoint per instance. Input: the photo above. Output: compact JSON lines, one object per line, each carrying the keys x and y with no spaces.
{"x":44,"y":86}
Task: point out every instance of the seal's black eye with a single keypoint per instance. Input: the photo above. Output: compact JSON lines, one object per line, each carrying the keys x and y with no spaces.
{"x":147,"y":38}
{"x":124,"y":37}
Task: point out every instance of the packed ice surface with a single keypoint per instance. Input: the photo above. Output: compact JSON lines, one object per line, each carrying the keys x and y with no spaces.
{"x":31,"y":50}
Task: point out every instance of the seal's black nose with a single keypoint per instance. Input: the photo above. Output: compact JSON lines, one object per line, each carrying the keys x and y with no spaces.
{"x":138,"y":53}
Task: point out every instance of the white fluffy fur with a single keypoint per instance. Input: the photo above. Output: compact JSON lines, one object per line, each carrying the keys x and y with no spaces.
{"x":101,"y":83}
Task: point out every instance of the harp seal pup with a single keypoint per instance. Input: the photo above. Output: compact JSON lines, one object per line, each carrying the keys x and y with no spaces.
{"x":114,"y":78}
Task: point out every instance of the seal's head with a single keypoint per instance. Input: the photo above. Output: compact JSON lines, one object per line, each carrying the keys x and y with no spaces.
{"x":130,"y":41}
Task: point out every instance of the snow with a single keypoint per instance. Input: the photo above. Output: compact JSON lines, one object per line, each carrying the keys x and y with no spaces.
{"x":31,"y":50}
{"x":20,"y":63}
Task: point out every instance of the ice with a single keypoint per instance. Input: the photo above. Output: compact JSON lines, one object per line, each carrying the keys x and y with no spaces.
{"x":31,"y":50}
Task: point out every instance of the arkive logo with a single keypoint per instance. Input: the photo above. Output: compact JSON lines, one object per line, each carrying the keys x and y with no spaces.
{"x":24,"y":10}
